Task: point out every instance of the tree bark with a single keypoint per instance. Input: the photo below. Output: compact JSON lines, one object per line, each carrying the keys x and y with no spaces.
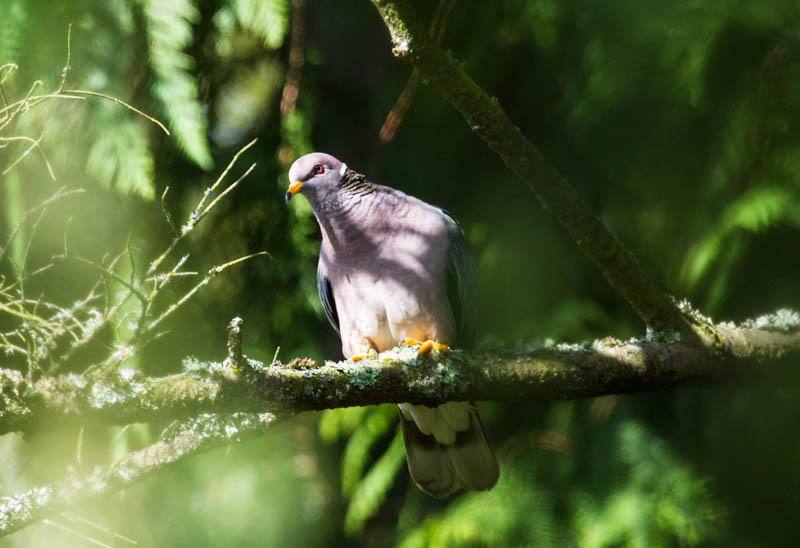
{"x":217,"y":404}
{"x":490,"y":122}
{"x":564,"y":371}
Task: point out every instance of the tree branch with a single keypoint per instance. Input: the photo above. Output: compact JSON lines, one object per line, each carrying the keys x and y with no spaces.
{"x":490,"y":122}
{"x":178,"y":442}
{"x":605,"y":366}
{"x":240,"y":399}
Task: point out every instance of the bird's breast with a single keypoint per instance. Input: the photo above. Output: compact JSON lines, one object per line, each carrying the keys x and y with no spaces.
{"x":387,"y":308}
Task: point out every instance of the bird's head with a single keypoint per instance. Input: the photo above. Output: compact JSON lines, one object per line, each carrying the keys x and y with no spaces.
{"x":314,"y":171}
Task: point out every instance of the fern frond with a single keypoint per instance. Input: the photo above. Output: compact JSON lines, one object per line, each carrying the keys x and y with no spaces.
{"x":169,"y":32}
{"x":370,"y":493}
{"x":13,"y":18}
{"x":121,"y":158}
{"x":755,"y":211}
{"x":356,"y":454}
{"x":662,"y":501}
{"x":336,"y":423}
{"x":267,"y":19}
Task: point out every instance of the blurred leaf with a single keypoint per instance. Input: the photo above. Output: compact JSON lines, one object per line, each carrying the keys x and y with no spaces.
{"x":296,"y":129}
{"x":371,"y":491}
{"x":267,"y":19}
{"x":13,"y":19}
{"x":761,"y":208}
{"x":169,"y":32}
{"x":13,"y":209}
{"x":369,"y":432}
{"x":661,"y":501}
{"x":121,"y":157}
{"x":244,"y":101}
{"x":335,"y":423}
{"x":755,"y":211}
{"x":516,"y":512}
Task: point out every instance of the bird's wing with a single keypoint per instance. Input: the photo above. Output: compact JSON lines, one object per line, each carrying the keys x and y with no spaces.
{"x":326,"y":296}
{"x":460,"y":281}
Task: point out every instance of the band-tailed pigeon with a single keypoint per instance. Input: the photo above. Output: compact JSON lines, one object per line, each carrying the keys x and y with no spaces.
{"x":395,"y":270}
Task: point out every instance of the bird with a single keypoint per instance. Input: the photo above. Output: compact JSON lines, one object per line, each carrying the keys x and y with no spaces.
{"x":395,"y":270}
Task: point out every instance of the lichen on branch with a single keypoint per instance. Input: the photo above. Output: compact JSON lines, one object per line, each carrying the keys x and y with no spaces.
{"x":605,"y":366}
{"x":197,"y":435}
{"x":216,"y":404}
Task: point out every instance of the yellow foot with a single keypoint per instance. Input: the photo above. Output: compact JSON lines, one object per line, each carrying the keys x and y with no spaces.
{"x":370,"y":354}
{"x":424,"y":346}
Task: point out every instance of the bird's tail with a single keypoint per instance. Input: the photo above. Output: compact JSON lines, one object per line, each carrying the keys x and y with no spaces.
{"x":447,"y":449}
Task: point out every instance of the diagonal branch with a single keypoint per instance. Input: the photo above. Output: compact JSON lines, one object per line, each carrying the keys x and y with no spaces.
{"x":195,"y":436}
{"x":490,"y":122}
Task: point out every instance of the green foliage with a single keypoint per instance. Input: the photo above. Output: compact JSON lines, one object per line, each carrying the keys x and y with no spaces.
{"x":266,"y":19}
{"x":677,"y":122}
{"x":121,"y":156}
{"x":371,"y":491}
{"x":755,"y":211}
{"x":337,"y":423}
{"x":13,"y":17}
{"x":244,"y":102}
{"x":365,"y":428}
{"x":659,"y":502}
{"x":361,"y":441}
{"x":114,"y":148}
{"x":169,"y":33}
{"x":492,"y":519}
{"x":652,"y":500}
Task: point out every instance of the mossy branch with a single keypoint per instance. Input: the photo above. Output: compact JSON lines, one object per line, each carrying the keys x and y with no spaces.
{"x":179,"y":441}
{"x":490,"y":122}
{"x":605,"y":366}
{"x":217,"y":404}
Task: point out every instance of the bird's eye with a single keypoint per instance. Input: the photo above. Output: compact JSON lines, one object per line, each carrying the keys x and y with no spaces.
{"x":318,"y":169}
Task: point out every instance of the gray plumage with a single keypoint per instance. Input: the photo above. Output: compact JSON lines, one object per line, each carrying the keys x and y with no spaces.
{"x":393,"y":267}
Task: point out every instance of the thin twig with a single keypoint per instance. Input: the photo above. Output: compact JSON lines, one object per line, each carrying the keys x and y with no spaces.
{"x":32,"y":100}
{"x":198,"y":212}
{"x":106,"y":272}
{"x":65,"y":72}
{"x":395,"y":116}
{"x":19,"y":104}
{"x":222,"y":176}
{"x":491,"y":123}
{"x":222,"y":194}
{"x":6,"y":71}
{"x":25,"y":277}
{"x":27,"y":316}
{"x":90,"y":523}
{"x":194,"y":436}
{"x":76,"y":533}
{"x":34,"y":230}
{"x":59,"y":193}
{"x":165,"y":210}
{"x":211,"y":274}
{"x":119,"y":102}
{"x":35,"y":143}
{"x":9,"y":69}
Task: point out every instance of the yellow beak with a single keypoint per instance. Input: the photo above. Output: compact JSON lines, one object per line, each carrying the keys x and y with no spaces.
{"x":294,"y":188}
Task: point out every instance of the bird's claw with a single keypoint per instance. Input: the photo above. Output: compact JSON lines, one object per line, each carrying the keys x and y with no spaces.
{"x":371,"y":353}
{"x":424,"y":346}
